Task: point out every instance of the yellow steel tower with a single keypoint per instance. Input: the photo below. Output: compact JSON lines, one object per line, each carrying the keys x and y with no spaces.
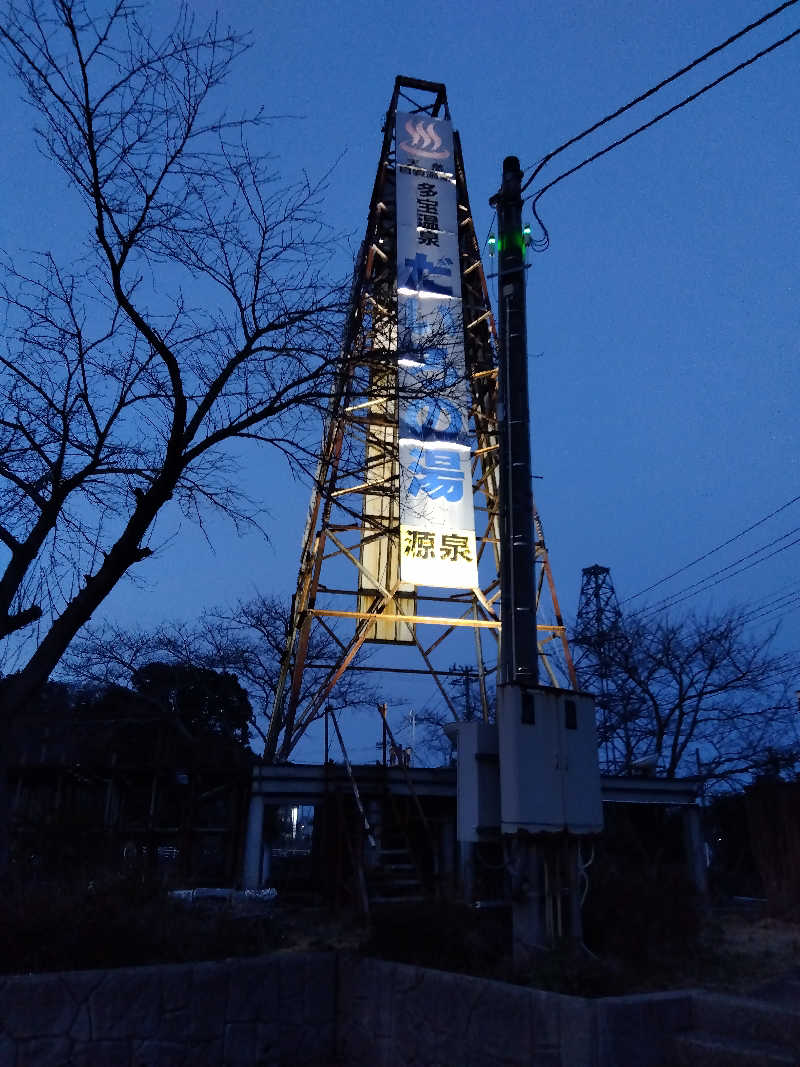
{"x":401,"y":552}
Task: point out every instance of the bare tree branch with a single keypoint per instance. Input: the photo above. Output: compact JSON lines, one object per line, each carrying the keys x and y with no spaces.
{"x":246,"y":640}
{"x":117,"y":394}
{"x":700,"y":694}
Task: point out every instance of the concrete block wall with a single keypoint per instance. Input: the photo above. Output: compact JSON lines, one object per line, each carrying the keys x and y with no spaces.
{"x":270,"y":1011}
{"x":393,"y":1015}
{"x":318,"y":1009}
{"x":640,"y":1029}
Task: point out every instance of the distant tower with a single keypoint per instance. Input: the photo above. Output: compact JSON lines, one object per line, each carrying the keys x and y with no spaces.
{"x":400,"y":560}
{"x":597,"y":628}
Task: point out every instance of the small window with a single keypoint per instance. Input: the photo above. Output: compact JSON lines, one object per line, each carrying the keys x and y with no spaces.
{"x":528,"y":708}
{"x":570,"y":715}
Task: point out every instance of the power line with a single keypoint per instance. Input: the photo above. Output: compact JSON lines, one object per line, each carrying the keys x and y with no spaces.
{"x":543,"y":242}
{"x":711,"y":551}
{"x":786,"y":605}
{"x":723,"y":574}
{"x":773,"y":599}
{"x":656,"y":88}
{"x":774,"y":619}
{"x":677,"y":598}
{"x":778,"y":619}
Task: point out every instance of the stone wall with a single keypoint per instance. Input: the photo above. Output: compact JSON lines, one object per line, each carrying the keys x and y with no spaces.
{"x":319,"y":1009}
{"x":393,"y":1015}
{"x":269,"y":1011}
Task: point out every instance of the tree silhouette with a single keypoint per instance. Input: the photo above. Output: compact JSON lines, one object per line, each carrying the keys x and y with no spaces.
{"x":696,"y":694}
{"x":208,"y":702}
{"x":194,"y":315}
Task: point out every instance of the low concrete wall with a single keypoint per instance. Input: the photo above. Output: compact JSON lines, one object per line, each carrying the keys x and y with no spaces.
{"x":316,"y":1009}
{"x":639,"y":1030}
{"x":393,"y":1015}
{"x":271,"y":1011}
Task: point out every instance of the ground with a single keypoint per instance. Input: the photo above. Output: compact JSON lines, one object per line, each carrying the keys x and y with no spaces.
{"x":736,"y":950}
{"x":125,"y":922}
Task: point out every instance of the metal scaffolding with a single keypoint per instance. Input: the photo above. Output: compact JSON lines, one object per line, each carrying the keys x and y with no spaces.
{"x":349,"y":595}
{"x":597,"y":630}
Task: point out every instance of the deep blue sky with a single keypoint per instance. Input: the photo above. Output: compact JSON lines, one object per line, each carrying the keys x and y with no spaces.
{"x":663,"y":320}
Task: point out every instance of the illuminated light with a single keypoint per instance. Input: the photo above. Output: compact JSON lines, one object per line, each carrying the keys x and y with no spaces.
{"x":526,"y":230}
{"x":440,"y":446}
{"x":441,"y":297}
{"x":423,"y":294}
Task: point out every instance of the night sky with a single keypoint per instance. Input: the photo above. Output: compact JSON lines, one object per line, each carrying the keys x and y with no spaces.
{"x":663,"y":320}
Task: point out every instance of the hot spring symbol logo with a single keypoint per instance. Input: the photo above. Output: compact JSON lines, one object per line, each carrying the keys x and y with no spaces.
{"x":425,"y":141}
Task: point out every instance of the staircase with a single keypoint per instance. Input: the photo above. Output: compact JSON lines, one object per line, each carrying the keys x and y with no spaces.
{"x":740,"y":1032}
{"x":394,"y":876}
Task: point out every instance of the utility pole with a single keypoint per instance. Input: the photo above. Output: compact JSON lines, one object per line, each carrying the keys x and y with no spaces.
{"x":549,"y":776}
{"x":518,"y":666}
{"x":518,"y":643}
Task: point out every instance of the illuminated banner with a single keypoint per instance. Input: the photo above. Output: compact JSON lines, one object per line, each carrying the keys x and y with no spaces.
{"x":427,"y":239}
{"x":422,"y":141}
{"x":434,"y":401}
{"x":437,"y":524}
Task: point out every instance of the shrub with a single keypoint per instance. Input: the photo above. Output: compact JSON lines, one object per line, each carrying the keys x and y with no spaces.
{"x":444,"y":935}
{"x":121,"y":921}
{"x":642,"y":916}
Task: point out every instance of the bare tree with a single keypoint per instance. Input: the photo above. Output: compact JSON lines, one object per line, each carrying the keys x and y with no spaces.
{"x":252,"y":639}
{"x":696,"y":694}
{"x":193,"y":318}
{"x":247,"y":640}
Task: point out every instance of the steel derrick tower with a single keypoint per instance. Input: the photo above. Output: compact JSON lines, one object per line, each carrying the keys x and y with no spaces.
{"x":597,"y":631}
{"x":380,"y":567}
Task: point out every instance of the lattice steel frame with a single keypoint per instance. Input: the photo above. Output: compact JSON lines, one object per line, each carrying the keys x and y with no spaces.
{"x":358,"y":459}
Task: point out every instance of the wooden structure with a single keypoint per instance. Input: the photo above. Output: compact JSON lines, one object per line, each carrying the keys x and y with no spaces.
{"x":138,"y":790}
{"x":398,"y":841}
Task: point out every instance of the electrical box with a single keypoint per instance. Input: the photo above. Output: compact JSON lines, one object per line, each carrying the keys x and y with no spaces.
{"x":549,"y":770}
{"x":478,"y":779}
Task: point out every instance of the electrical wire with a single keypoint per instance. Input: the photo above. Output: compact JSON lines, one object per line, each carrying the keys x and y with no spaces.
{"x":703,"y":584}
{"x":494,"y":274}
{"x":773,"y":599}
{"x":711,"y":551}
{"x":583,"y":867}
{"x":492,"y":225}
{"x":778,"y":603}
{"x":540,"y":244}
{"x":656,"y":88}
{"x":777,"y":617}
{"x":785,"y":604}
